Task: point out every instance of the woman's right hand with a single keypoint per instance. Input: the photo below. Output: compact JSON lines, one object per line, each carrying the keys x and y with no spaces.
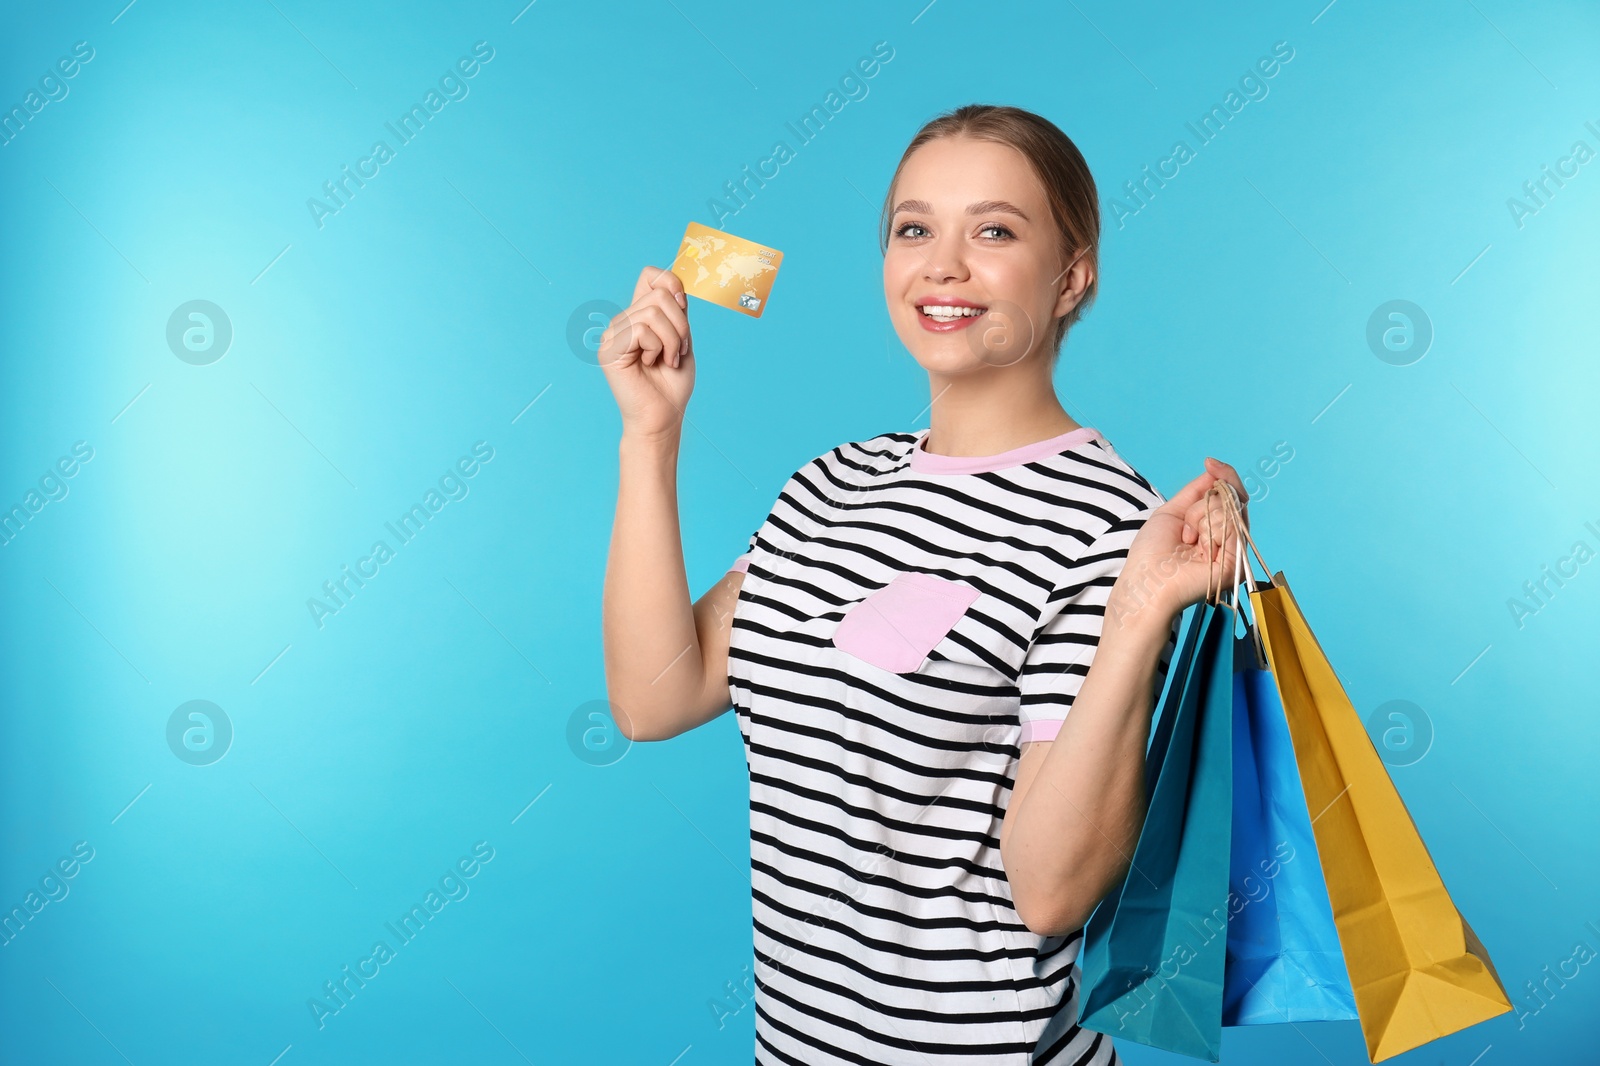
{"x":647,"y":355}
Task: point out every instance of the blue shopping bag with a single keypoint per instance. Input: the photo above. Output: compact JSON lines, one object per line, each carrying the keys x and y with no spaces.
{"x":1154,"y":949}
{"x":1223,"y":918}
{"x":1284,"y":963}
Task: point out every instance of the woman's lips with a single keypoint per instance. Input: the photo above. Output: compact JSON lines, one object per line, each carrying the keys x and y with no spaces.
{"x":938,"y":325}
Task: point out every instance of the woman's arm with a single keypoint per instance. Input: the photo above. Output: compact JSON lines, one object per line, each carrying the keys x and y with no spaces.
{"x":666,"y":659}
{"x":1078,"y":803}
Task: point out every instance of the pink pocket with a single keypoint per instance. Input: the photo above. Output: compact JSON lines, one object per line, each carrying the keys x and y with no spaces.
{"x":897,"y":626}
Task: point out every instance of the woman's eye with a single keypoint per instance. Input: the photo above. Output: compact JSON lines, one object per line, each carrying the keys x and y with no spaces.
{"x":904,"y":231}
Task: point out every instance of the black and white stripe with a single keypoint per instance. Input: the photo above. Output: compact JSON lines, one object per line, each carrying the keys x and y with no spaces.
{"x":883,"y":922}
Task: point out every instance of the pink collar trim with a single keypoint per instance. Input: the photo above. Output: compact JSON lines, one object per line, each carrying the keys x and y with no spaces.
{"x":933,"y":463}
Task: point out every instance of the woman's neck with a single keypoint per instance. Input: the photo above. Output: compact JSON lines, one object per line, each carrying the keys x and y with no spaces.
{"x":978,"y":430}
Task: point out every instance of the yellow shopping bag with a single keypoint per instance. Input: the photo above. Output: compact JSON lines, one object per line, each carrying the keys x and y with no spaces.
{"x":1417,"y":970}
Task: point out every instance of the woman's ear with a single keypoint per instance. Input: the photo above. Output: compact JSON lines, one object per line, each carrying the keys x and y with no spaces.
{"x":1073,"y":282}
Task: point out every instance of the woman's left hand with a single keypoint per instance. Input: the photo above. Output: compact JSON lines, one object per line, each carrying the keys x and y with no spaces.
{"x":1184,"y":553}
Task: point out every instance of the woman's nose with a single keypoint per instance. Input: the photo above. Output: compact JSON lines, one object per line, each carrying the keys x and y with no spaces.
{"x":943,"y":262}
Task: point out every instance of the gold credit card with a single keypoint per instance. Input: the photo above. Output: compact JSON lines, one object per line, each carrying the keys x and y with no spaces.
{"x":725,"y":269}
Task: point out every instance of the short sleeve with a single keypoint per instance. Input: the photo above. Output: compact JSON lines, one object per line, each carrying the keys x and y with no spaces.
{"x":1069,"y":629}
{"x":742,"y":562}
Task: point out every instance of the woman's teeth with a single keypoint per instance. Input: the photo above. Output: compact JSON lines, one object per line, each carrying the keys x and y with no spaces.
{"x":937,"y":311}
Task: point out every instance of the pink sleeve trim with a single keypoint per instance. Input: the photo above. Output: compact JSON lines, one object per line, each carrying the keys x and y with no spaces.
{"x":1040,"y":729}
{"x":741,"y":564}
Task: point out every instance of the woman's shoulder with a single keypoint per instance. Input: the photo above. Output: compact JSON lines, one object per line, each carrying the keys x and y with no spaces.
{"x":1116,"y":461}
{"x":881,"y":451}
{"x":1089,"y":488}
{"x":1134,"y":493}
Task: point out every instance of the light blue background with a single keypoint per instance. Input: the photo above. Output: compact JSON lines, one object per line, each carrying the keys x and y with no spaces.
{"x":370,"y":353}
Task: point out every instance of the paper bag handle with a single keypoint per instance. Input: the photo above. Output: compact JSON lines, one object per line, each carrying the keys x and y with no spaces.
{"x":1242,"y":571}
{"x":1234,"y":513}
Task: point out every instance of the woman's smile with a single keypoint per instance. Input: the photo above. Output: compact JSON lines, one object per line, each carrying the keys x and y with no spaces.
{"x":946,"y":314}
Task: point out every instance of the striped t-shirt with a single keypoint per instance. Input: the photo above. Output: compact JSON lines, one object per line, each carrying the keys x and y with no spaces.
{"x":907,"y":621}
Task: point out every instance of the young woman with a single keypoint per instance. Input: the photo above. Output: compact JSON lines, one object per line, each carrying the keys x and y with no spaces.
{"x":909,"y":629}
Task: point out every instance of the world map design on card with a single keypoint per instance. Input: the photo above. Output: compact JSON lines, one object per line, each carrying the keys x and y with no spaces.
{"x":725,"y":269}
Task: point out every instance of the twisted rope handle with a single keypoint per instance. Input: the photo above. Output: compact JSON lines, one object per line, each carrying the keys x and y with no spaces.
{"x":1234,"y":511}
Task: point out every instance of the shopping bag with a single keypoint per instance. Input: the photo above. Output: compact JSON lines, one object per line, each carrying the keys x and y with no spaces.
{"x":1284,"y":963}
{"x":1154,"y":950}
{"x":1413,"y":968}
{"x":1417,"y":970}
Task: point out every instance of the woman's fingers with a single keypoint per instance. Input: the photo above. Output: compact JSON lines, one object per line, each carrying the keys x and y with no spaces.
{"x":632,"y":338}
{"x":666,"y":340}
{"x":1224,"y":472}
{"x":668,"y":284}
{"x":668,"y":289}
{"x":1198,"y":522}
{"x":652,"y":277}
{"x":658,"y":316}
{"x":1207,"y":518}
{"x":667,"y":303}
{"x":617,"y":347}
{"x":1209,"y":521}
{"x":651,"y":338}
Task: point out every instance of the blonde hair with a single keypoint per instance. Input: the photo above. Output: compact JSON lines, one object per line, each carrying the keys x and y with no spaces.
{"x":1069,"y":187}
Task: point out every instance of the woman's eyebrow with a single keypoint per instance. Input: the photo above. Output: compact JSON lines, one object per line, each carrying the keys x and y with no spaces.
{"x":982,"y":207}
{"x":985,"y":207}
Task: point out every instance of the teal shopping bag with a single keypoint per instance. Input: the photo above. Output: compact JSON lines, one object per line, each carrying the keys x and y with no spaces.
{"x":1284,"y":960}
{"x":1154,"y":950}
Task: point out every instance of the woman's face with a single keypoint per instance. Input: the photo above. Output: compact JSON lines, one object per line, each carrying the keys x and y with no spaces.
{"x":971,"y":229}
